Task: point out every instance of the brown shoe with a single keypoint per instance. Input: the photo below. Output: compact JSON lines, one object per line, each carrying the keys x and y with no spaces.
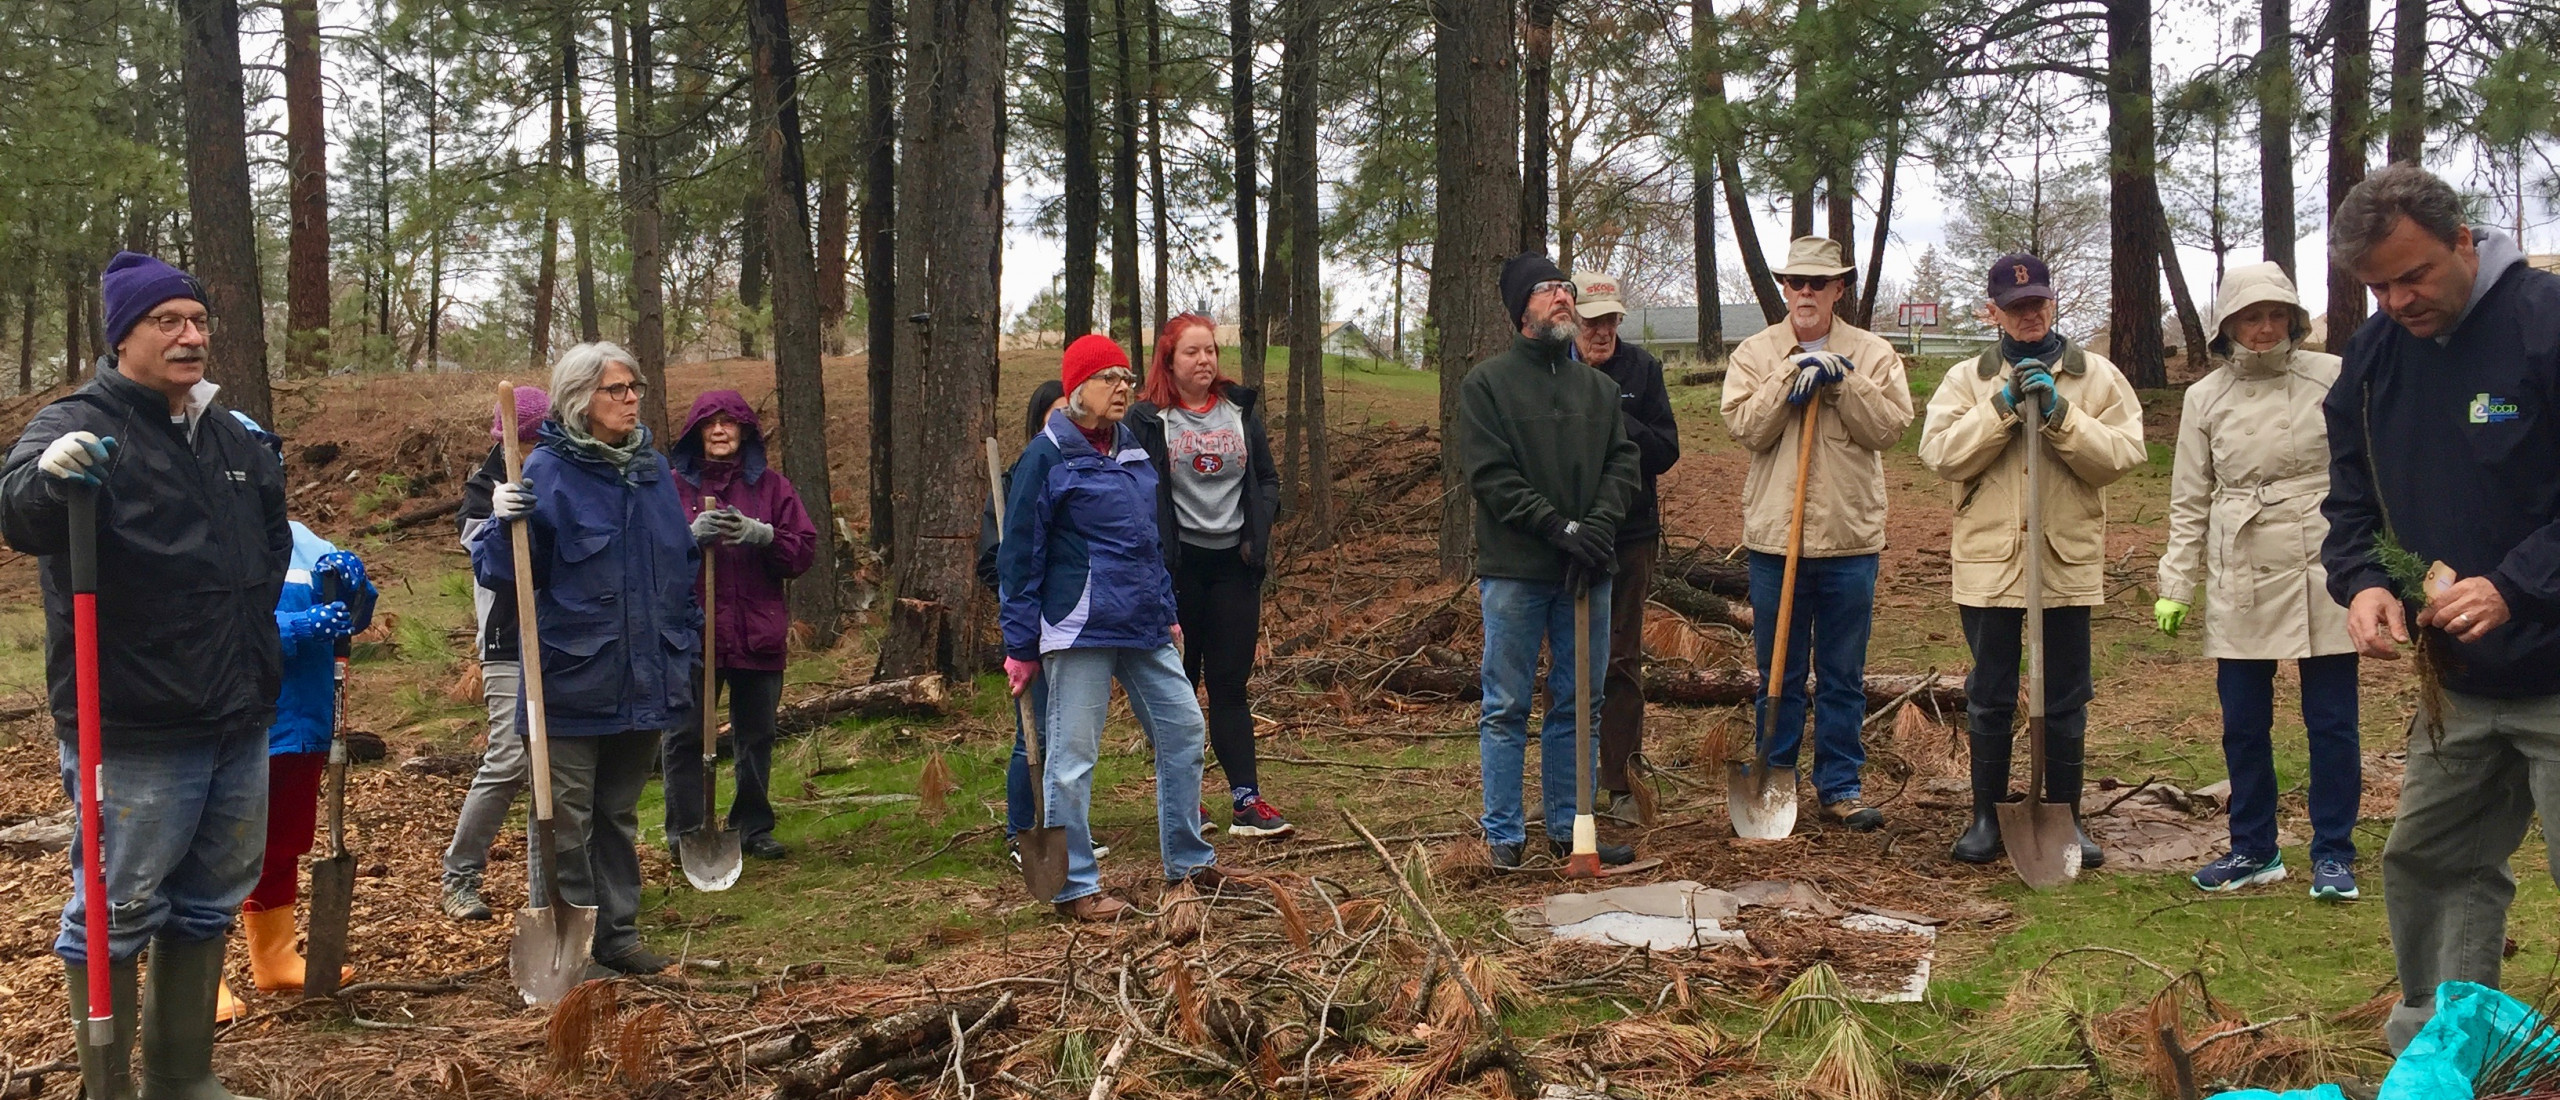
{"x":1093,"y":909}
{"x":1854,"y":814}
{"x":1209,"y":878}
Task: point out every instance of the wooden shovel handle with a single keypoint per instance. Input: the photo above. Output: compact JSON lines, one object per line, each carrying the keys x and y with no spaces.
{"x":528,"y":633}
{"x":1795,"y":555}
{"x":710,"y":649}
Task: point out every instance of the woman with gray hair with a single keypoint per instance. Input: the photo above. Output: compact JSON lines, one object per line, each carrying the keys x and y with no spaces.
{"x":614,"y":564}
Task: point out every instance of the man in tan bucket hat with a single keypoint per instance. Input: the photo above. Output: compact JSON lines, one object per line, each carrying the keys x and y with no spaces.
{"x":1812,"y":356}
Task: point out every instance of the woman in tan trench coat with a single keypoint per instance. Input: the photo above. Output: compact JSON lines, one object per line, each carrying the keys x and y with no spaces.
{"x":2244,"y":504}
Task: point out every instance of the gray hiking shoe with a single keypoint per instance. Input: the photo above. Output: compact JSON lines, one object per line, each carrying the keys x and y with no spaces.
{"x":461,"y":900}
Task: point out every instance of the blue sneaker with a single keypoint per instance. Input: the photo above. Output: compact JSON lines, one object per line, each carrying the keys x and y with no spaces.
{"x":2235,"y":871}
{"x":2333,"y":880}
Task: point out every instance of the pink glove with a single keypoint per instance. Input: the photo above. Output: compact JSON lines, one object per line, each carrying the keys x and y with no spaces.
{"x":1019,"y":674}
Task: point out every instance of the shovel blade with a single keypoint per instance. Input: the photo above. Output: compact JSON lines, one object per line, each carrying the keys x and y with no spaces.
{"x":2042,"y":842}
{"x":333,"y":895}
{"x":1044,"y":861}
{"x":1761,"y":800}
{"x":553,"y":946}
{"x":710,"y":858}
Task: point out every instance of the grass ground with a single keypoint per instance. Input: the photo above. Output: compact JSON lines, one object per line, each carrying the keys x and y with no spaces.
{"x":879,"y":893}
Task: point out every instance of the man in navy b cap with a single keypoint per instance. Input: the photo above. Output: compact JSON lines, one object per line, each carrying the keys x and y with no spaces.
{"x":192,"y":547}
{"x":2091,"y":435}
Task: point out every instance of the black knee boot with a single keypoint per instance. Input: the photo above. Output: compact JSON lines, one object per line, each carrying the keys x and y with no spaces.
{"x":1981,"y":840}
{"x":2062,"y":762}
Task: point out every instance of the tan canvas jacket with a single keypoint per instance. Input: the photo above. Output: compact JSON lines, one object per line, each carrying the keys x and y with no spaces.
{"x":1970,"y":441}
{"x":1862,"y":417}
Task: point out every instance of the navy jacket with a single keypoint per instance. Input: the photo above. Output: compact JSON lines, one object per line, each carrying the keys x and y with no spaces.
{"x":192,"y":546}
{"x":614,"y":566}
{"x":1646,"y":403}
{"x":1080,"y":562}
{"x":2458,"y":447}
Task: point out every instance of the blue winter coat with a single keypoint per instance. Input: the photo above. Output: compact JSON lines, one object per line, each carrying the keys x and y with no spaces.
{"x":613,"y":574}
{"x":307,"y":710}
{"x":1080,"y":563}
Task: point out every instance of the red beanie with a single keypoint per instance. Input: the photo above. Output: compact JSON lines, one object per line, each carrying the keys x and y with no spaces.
{"x":1091,"y":354}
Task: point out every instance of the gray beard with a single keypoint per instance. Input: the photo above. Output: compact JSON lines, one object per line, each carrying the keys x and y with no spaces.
{"x":1559,"y":332}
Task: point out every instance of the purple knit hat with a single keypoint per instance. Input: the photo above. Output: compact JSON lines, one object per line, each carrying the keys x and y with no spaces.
{"x":134,"y":283}
{"x":532,"y":404}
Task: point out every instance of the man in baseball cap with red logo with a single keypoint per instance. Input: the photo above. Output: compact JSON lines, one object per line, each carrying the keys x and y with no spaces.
{"x":2091,"y":433}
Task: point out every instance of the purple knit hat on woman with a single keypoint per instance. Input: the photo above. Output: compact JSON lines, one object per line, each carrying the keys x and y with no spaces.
{"x":532,"y":404}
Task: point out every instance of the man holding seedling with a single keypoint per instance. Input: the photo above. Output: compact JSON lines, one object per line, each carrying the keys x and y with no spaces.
{"x":2444,"y":514}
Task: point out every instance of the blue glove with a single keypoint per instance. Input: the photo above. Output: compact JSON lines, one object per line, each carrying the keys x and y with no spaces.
{"x":2030,"y":380}
{"x":328,"y":620}
{"x":1815,"y":370}
{"x":348,"y":567}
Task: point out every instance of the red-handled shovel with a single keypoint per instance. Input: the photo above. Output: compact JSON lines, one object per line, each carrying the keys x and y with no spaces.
{"x":98,"y":1032}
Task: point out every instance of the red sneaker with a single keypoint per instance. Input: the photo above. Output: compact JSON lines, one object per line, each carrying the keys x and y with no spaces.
{"x":1260,"y":818}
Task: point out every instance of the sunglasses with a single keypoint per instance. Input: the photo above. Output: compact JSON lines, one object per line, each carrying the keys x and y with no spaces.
{"x":1805,"y":282}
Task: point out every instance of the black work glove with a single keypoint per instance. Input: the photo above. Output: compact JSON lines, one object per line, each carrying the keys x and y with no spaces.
{"x":1579,"y":577}
{"x":1583,"y":544}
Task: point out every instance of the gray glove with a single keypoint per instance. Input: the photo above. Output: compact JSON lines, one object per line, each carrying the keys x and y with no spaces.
{"x":743,"y":530}
{"x":708,"y":526}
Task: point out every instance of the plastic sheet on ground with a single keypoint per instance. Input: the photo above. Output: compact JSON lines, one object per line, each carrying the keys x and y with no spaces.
{"x":2473,"y":1024}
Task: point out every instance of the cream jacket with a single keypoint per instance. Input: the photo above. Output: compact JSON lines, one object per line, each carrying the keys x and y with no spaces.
{"x":2244,"y":500}
{"x":1861,"y":418}
{"x":1968,"y":440}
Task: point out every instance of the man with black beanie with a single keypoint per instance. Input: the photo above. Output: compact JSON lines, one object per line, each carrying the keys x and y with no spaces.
{"x":1547,"y":457}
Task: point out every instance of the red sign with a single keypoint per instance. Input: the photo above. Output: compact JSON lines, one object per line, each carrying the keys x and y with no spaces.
{"x":1916,"y":314}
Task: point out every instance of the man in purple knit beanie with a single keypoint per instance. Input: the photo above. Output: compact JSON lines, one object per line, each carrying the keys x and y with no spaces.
{"x":192,"y":548}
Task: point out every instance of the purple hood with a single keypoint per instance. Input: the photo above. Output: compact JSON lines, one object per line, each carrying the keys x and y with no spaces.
{"x":686,"y":455}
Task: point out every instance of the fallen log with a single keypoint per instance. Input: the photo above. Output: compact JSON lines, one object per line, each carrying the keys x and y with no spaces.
{"x":1729,"y":579}
{"x":886,"y":1042}
{"x":1699,"y":605}
{"x":923,"y":696}
{"x":416,"y":516}
{"x":1706,"y":377}
{"x":1690,"y":687}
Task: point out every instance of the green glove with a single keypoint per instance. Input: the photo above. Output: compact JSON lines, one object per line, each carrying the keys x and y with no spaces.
{"x":2170,"y":615}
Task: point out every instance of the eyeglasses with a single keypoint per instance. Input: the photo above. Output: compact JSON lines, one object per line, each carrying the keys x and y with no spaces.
{"x":171,"y":324}
{"x":1552,"y":284}
{"x":1116,"y":378}
{"x":625,"y":391}
{"x":1805,"y":282}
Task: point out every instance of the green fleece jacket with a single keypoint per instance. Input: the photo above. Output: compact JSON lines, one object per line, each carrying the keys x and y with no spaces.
{"x":1542,"y":439}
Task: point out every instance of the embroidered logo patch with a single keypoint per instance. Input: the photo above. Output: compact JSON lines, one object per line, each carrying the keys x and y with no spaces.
{"x":2491,"y":409}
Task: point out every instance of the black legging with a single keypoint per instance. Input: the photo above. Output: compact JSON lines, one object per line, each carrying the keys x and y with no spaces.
{"x":754,"y":698}
{"x":1219,"y":601}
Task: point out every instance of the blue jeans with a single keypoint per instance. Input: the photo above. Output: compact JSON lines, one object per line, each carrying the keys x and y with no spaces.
{"x":1161,"y":698}
{"x":1018,"y":811}
{"x":184,"y":831}
{"x":2248,"y":750}
{"x":1517,"y":616}
{"x":1835,"y":611}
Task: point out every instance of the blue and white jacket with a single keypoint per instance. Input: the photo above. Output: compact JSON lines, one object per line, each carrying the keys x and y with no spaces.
{"x":1080,"y":566}
{"x":307,"y":710}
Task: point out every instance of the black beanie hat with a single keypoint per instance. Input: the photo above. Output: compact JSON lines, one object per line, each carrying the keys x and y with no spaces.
{"x":1520,"y":275}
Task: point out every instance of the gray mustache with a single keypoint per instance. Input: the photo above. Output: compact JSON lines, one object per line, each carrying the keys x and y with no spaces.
{"x":182,"y":355}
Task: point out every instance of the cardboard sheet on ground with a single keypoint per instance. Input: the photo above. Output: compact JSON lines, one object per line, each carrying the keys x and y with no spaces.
{"x":2162,"y":828}
{"x":1684,"y":915}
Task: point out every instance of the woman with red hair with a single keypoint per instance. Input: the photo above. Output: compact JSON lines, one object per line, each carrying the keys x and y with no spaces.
{"x":1216,"y":496}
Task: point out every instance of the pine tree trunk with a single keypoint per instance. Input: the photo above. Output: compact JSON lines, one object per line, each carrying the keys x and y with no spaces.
{"x":1475,"y":63}
{"x":958,"y":123}
{"x":640,"y":196}
{"x":2181,"y":300}
{"x":2350,"y":116}
{"x":833,"y":181}
{"x":1126,"y":310}
{"x":1537,"y":81}
{"x":223,"y":223}
{"x":1843,"y":231}
{"x":1083,"y":180}
{"x":1872,"y":278}
{"x":1746,"y":240}
{"x":546,"y":261}
{"x":27,"y":337}
{"x":73,"y":293}
{"x":880,"y":254}
{"x":798,"y":378}
{"x":753,"y":247}
{"x":2275,"y":132}
{"x":306,"y":288}
{"x":1276,"y":268}
{"x":917,"y":178}
{"x":2136,"y":237}
{"x":575,"y":90}
{"x":149,"y":86}
{"x":2408,"y":81}
{"x":1306,"y":308}
{"x":1162,"y":237}
{"x":1282,"y":268}
{"x":1242,"y":136}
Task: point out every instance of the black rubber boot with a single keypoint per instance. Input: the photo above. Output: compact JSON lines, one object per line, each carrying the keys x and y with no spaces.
{"x":106,"y":1072}
{"x":2062,"y":766}
{"x":1981,"y":840}
{"x":177,"y":1021}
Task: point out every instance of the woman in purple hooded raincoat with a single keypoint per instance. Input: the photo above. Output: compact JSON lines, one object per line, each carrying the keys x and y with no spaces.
{"x":758,"y":536}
